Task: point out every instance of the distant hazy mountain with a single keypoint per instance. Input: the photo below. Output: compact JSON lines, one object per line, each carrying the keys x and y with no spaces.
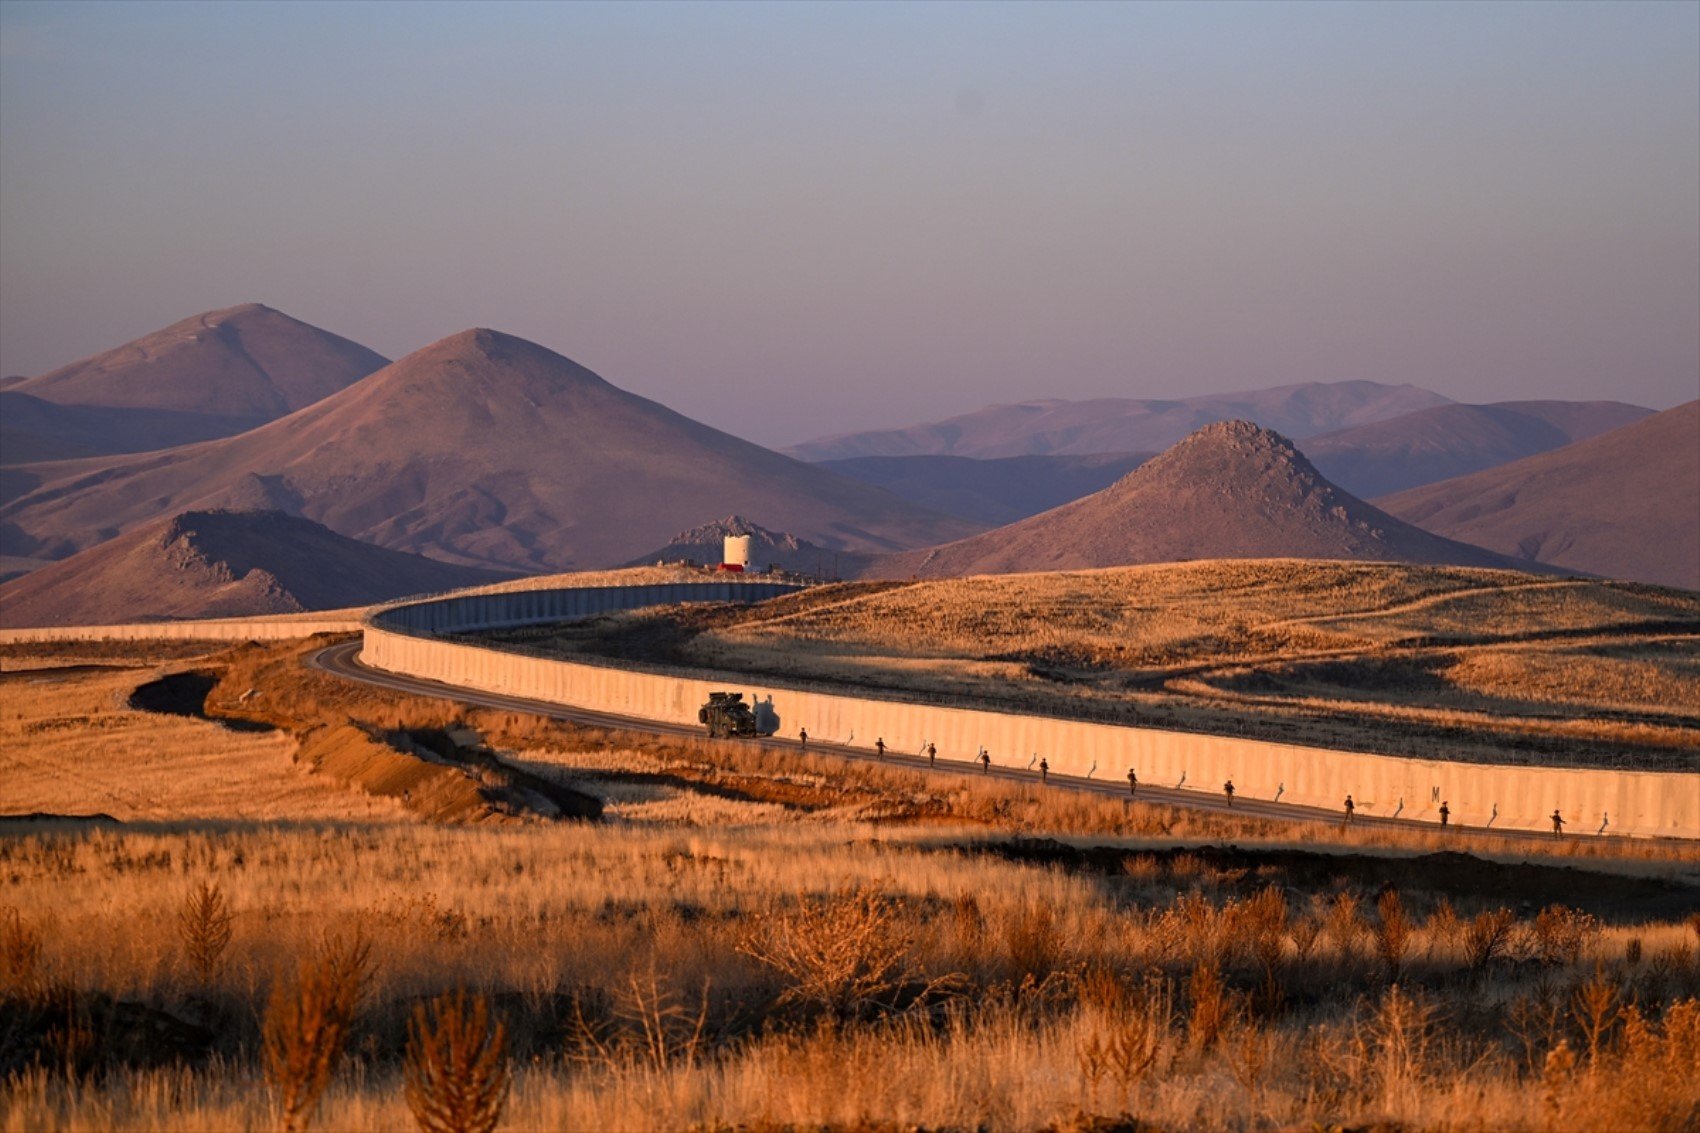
{"x":1625,"y":504}
{"x":212,"y":375}
{"x":1455,"y":440}
{"x":993,"y":492}
{"x":1127,"y":425}
{"x":222,"y":564}
{"x":482,"y":449}
{"x":1231,"y":490}
{"x":706,"y":545}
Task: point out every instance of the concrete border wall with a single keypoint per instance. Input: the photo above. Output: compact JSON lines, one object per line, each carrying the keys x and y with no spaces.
{"x":210,"y":629}
{"x":1662,"y":804}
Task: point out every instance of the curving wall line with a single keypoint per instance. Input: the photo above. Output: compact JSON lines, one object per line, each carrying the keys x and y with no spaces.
{"x":402,"y":639}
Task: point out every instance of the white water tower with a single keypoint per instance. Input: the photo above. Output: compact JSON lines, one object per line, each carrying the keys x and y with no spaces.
{"x":737,"y":553}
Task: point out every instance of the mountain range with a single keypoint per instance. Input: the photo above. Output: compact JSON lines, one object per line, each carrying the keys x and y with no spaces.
{"x":1127,"y":425}
{"x":481,"y":449}
{"x":487,"y":451}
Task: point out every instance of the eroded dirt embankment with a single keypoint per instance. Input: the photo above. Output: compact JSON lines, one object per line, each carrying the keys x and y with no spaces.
{"x":429,"y":771}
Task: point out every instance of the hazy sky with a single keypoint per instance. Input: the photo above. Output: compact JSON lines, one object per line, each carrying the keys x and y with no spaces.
{"x":795,"y":219}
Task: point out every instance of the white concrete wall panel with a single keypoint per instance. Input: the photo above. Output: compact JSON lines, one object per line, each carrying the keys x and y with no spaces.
{"x":256,"y":629}
{"x":1662,"y":804}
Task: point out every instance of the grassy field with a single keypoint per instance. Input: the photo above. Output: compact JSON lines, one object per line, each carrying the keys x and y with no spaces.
{"x":1424,"y":661}
{"x":765,"y":941}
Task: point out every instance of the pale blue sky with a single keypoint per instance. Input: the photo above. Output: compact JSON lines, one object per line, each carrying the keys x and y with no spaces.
{"x":792,"y":219}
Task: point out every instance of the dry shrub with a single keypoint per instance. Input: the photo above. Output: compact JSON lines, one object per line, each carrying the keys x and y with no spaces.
{"x":307,"y":1025}
{"x":1595,"y":1005}
{"x":1444,"y":927}
{"x":204,"y":924}
{"x":1032,"y":942}
{"x":1392,"y":933}
{"x":1401,"y":1033}
{"x":845,"y":955}
{"x":649,"y":1025}
{"x":1129,"y":1028}
{"x":457,"y":1071}
{"x":1487,"y":936}
{"x":1305,"y":931}
{"x":1210,"y":1006}
{"x":1345,"y":926}
{"x":1535,"y":1021}
{"x":1560,"y":935}
{"x":20,"y":956}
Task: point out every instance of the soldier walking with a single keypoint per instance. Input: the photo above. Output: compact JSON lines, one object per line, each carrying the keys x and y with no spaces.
{"x":802,"y":737}
{"x":1350,"y":807}
{"x":985,"y":762}
{"x":1445,"y":813}
{"x":879,"y":747}
{"x":1132,"y":784}
{"x":932,"y":756}
{"x":1557,"y":824}
{"x":1044,"y":771}
{"x":1228,"y":789}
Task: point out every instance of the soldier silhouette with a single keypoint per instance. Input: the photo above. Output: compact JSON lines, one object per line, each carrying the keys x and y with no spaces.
{"x":1044,"y":771}
{"x":1445,"y":813}
{"x":1132,"y":784}
{"x":1350,"y":807}
{"x":1557,"y":824}
{"x":985,"y":762}
{"x":1228,"y":789}
{"x":879,"y":747}
{"x":802,"y":737}
{"x":932,"y":756}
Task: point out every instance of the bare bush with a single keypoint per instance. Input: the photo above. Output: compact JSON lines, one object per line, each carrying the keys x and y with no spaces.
{"x":1560,"y":935}
{"x":1486,"y":937}
{"x":457,"y":1073}
{"x":845,"y":954}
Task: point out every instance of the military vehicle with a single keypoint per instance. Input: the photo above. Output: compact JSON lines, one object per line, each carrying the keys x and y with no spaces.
{"x":726,"y":714}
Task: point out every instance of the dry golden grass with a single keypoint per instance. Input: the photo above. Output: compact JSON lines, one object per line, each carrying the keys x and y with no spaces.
{"x":1426,"y":661}
{"x":762,"y":939}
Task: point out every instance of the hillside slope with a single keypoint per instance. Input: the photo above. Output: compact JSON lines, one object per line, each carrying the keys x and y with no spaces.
{"x":222,"y":564}
{"x":1105,"y":425}
{"x":1625,"y":504}
{"x":482,"y":449}
{"x":1455,"y":440}
{"x":211,"y":375}
{"x":1231,"y":490}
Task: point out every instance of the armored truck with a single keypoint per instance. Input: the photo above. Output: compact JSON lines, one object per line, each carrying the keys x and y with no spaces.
{"x":726,"y":714}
